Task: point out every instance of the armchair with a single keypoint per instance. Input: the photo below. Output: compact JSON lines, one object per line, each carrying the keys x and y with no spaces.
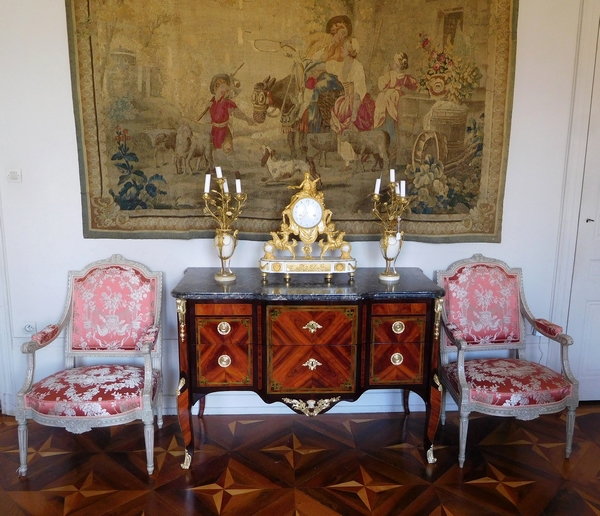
{"x":112,"y":311}
{"x":484,"y":310}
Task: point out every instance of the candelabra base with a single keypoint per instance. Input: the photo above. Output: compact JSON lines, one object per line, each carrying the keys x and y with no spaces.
{"x":225,"y":277}
{"x":389,"y":276}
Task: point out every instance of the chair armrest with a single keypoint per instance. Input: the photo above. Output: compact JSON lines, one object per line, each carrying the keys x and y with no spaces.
{"x":148,"y":339}
{"x":551,"y":331}
{"x":150,"y":333}
{"x":546,"y":327}
{"x":453,"y":337}
{"x":41,"y":339}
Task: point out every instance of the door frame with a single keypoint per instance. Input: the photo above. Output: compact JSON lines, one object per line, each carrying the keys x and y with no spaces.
{"x":7,"y":385}
{"x":573,"y":177}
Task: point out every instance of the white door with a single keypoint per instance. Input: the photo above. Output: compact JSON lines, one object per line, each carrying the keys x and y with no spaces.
{"x":584,"y":310}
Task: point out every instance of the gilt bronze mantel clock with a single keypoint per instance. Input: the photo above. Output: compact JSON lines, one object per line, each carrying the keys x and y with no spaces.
{"x":305,"y":219}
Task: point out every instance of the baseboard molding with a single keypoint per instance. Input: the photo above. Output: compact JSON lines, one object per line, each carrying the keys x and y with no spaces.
{"x":247,"y":403}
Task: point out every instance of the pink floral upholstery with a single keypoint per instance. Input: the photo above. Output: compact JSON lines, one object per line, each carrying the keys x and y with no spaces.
{"x":510,"y":382}
{"x":47,"y":334}
{"x":92,"y":391}
{"x":482,"y":304}
{"x":485,"y":311}
{"x":112,"y":306}
{"x":548,"y":328}
{"x":113,"y":311}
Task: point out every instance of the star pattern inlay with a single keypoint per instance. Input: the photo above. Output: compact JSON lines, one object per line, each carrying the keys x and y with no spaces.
{"x":365,"y":487}
{"x":292,"y":450}
{"x":506,"y":485}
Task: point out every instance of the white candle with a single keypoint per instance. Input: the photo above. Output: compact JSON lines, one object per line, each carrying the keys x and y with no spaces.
{"x":219,"y":172}
{"x":225,"y":187}
{"x":392,"y":175}
{"x":238,"y":183}
{"x":207,"y":183}
{"x":402,"y":188}
{"x":377,"y":185}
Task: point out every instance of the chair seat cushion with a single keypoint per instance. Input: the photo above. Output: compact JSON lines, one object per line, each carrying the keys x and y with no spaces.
{"x":91,"y":391}
{"x":510,"y":382}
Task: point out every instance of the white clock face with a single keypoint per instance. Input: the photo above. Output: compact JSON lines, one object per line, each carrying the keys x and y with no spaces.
{"x":307,"y":212}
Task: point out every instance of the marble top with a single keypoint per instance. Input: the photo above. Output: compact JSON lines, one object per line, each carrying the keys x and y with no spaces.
{"x":199,"y":283}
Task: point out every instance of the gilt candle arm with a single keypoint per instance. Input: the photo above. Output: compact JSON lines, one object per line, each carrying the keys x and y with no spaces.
{"x":220,"y":206}
{"x":389,"y":214}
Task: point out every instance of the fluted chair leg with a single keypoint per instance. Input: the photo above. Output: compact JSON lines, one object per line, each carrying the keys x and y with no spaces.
{"x":23,"y":445}
{"x":159,"y":410}
{"x":149,"y":438}
{"x":462,"y":439}
{"x":570,"y":430}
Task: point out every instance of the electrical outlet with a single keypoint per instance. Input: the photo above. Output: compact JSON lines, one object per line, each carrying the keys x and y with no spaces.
{"x":15,"y":176}
{"x":28,"y":328}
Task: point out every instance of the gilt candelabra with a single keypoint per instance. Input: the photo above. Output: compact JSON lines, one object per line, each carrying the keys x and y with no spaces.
{"x":389,"y":214}
{"x":225,"y":208}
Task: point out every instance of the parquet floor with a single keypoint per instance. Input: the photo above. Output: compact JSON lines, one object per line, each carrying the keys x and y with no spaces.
{"x":299,"y":466}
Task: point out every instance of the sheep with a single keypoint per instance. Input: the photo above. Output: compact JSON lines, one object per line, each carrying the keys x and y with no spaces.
{"x":162,"y":140}
{"x":280,"y":169}
{"x":323,"y":143}
{"x":191,"y":145}
{"x":376,"y":142}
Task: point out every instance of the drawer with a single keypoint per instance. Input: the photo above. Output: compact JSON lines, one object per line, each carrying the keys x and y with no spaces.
{"x":224,"y":365}
{"x":223,"y":330}
{"x":399,"y":309}
{"x":398,"y":328}
{"x":223,"y":348}
{"x":223,"y":309}
{"x":310,"y":325}
{"x":308,"y":369}
{"x":393,"y":364}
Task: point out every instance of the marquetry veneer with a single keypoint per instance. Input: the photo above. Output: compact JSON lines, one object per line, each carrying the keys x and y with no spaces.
{"x":307,"y":343}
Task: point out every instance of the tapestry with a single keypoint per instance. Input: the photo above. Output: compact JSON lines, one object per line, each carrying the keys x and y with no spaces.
{"x":165,"y":91}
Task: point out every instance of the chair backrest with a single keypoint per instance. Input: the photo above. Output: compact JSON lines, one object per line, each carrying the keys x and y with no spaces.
{"x":483,"y":303}
{"x":111,"y":303}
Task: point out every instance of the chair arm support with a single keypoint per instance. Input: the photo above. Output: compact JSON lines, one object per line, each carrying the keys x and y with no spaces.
{"x":555,"y":332}
{"x":148,"y":340}
{"x":38,"y":341}
{"x":461,"y":346}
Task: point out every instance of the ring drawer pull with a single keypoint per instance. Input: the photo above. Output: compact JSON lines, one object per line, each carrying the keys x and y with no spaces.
{"x":312,"y":326}
{"x":312,"y":364}
{"x":224,"y":328}
{"x":224,"y":360}
{"x":397,"y":359}
{"x":398,"y":327}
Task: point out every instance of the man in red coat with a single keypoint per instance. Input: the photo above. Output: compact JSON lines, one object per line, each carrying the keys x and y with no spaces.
{"x":222,"y":107}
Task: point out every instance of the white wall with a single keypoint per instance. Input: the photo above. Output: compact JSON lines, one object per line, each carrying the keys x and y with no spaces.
{"x":41,"y":217}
